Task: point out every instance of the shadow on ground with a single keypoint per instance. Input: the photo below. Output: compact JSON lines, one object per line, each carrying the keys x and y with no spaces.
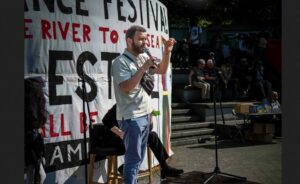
{"x":200,"y":177}
{"x":229,"y":144}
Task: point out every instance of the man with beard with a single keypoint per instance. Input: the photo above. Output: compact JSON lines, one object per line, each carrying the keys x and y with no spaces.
{"x":133,"y":99}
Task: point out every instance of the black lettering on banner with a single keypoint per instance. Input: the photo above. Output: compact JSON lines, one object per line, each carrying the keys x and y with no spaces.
{"x":83,"y":57}
{"x":25,"y":6}
{"x":65,"y":154}
{"x":132,"y":19}
{"x":80,"y":11}
{"x":60,"y":3}
{"x":49,"y":4}
{"x":36,"y":5}
{"x":141,"y":12}
{"x":105,"y":8}
{"x":54,"y":56}
{"x":155,"y":15}
{"x":148,"y":18}
{"x":119,"y":5}
{"x":107,"y":56}
{"x":163,"y":20}
{"x":63,"y":8}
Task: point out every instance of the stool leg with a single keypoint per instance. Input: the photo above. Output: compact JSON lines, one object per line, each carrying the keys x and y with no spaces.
{"x":115,"y":165}
{"x":91,"y":168}
{"x":109,"y":169}
{"x":149,"y":163}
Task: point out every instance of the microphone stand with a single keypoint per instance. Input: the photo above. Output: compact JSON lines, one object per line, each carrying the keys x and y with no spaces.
{"x":217,"y":170}
{"x":84,"y":100}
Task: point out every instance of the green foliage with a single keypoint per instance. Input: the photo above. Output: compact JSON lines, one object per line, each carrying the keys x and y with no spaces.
{"x":227,"y":22}
{"x":226,"y":12}
{"x":204,"y":23}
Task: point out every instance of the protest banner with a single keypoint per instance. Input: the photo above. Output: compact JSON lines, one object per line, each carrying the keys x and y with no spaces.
{"x":57,"y":35}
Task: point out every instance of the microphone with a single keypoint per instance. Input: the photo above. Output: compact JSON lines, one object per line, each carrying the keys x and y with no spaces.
{"x":146,"y":50}
{"x":152,"y":68}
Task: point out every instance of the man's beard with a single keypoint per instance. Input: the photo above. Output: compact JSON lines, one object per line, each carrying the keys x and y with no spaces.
{"x":137,"y":49}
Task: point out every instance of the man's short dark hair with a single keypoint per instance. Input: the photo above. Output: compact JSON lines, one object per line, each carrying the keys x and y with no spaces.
{"x":131,"y":31}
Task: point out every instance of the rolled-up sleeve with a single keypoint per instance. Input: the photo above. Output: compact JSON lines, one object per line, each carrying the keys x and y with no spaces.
{"x":121,"y":71}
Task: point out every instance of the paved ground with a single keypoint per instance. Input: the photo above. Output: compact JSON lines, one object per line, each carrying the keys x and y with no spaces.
{"x":260,"y":163}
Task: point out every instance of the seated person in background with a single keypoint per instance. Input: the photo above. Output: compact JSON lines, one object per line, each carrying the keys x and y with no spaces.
{"x":263,"y":86}
{"x":154,"y":143}
{"x":242,"y":72}
{"x":275,"y":105}
{"x":212,"y":75}
{"x":272,"y":105}
{"x":183,"y":54}
{"x":228,"y":81}
{"x":180,"y":56}
{"x":197,"y":79}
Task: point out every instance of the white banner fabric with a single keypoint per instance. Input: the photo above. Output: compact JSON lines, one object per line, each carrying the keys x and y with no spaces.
{"x":65,"y":40}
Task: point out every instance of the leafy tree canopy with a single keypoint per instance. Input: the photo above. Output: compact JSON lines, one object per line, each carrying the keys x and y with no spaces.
{"x":266,"y":13}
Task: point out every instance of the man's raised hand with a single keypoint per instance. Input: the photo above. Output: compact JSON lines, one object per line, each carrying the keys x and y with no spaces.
{"x":168,"y":44}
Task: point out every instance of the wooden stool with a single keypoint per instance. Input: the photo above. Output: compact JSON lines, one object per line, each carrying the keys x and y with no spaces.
{"x":91,"y":170}
{"x":112,"y":169}
{"x":101,"y":149}
{"x":103,"y":153}
{"x":111,"y":153}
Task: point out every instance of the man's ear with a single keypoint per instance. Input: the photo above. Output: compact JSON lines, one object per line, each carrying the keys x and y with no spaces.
{"x":129,"y":41}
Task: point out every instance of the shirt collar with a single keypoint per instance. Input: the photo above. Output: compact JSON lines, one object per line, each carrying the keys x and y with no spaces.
{"x":130,"y":55}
